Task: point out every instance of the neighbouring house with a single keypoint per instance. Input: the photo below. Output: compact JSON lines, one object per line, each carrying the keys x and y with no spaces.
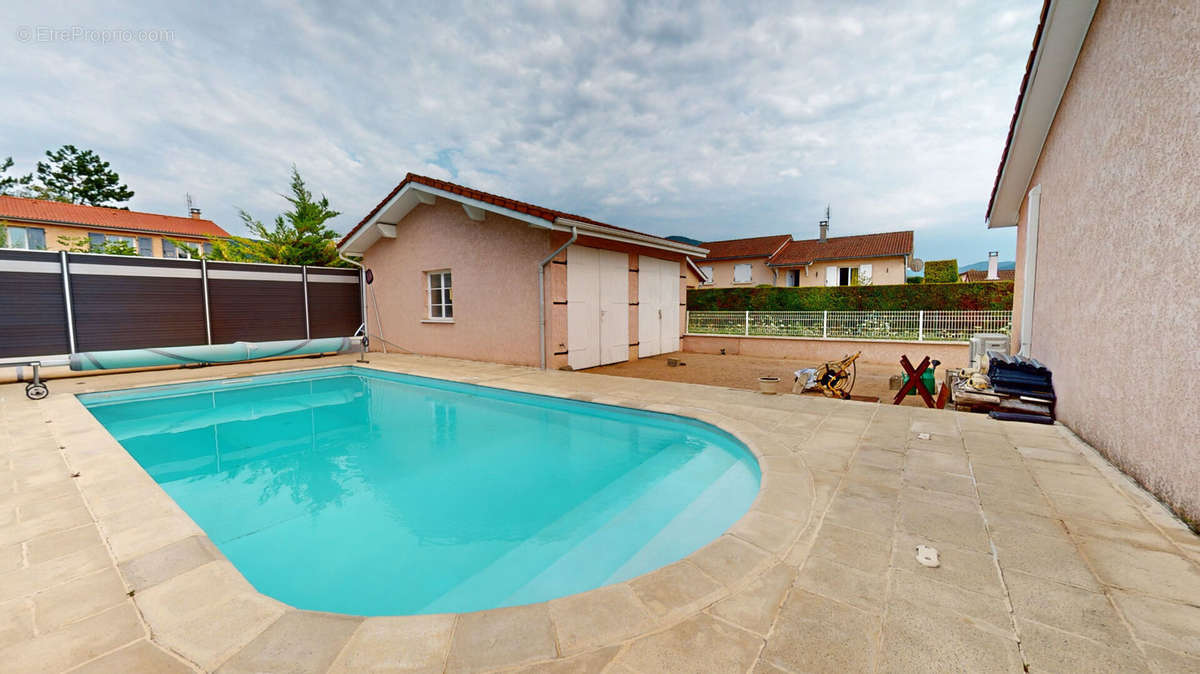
{"x":37,"y":224}
{"x":978,"y":275}
{"x":863,"y":259}
{"x":463,"y":273}
{"x":1099,"y":176}
{"x":992,"y":273}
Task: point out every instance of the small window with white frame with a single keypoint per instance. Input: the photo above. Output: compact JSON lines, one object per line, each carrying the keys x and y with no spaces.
{"x":743,"y":273}
{"x":708,"y":275}
{"x":440,"y":295}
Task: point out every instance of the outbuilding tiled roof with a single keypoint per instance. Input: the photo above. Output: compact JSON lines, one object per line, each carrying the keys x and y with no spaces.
{"x":843,"y":247}
{"x":102,"y":217}
{"x":759,"y":246}
{"x":548,"y":214}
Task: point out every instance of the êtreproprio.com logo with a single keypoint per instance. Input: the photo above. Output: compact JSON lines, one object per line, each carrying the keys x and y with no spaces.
{"x":45,"y":34}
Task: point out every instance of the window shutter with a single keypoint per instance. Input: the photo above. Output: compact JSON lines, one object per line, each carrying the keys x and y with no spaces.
{"x":145,"y":246}
{"x":37,"y":238}
{"x":831,"y":276}
{"x":169,"y":249}
{"x":96,"y":241}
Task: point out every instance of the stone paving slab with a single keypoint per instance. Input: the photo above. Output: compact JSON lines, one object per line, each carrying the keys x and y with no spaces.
{"x":1050,"y":558}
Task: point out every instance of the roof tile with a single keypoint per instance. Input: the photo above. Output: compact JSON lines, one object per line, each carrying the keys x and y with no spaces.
{"x":103,"y":217}
{"x":548,"y":214}
{"x":758,"y":246}
{"x":844,"y":247}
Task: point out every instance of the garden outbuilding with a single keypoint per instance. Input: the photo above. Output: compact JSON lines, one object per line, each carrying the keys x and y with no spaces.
{"x":463,"y":273}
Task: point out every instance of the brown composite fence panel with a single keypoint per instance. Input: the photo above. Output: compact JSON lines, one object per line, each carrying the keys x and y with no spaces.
{"x":127,"y":302}
{"x":33,"y":310}
{"x":119,"y":305}
{"x":255,"y":302}
{"x":333,"y":302}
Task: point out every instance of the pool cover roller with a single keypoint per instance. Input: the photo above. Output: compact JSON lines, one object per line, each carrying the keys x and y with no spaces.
{"x":209,"y":353}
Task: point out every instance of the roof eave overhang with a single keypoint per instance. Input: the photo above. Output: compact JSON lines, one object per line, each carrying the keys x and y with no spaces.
{"x":757,"y":256}
{"x":704,"y":278}
{"x":650,"y":241}
{"x":407,"y":198}
{"x":806,"y":263}
{"x":1064,"y":30}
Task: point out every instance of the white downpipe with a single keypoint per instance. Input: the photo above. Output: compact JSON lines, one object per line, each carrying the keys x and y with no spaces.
{"x":542,"y":293}
{"x":1030,"y":276}
{"x":362,"y":279}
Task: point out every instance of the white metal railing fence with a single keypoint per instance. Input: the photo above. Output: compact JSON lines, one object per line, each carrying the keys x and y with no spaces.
{"x":922,"y":326}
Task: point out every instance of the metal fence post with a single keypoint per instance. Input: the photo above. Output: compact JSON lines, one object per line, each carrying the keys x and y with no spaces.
{"x":207,"y":311}
{"x":747,"y":323}
{"x":921,"y":326}
{"x":66,"y":279}
{"x":304,"y":281}
{"x":825,"y":325}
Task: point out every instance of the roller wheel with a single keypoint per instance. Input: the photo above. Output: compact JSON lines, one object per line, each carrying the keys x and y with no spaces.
{"x":36,"y":391}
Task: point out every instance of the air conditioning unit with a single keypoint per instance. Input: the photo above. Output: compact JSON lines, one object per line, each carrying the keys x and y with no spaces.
{"x":981,"y":343}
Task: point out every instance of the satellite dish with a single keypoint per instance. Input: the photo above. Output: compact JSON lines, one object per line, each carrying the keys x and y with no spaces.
{"x":915,"y":264}
{"x":370,"y":277}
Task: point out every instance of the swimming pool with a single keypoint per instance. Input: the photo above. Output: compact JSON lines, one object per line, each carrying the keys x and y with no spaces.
{"x":359,"y":491}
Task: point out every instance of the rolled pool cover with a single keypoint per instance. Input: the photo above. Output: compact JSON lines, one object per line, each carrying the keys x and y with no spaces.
{"x":208,"y":353}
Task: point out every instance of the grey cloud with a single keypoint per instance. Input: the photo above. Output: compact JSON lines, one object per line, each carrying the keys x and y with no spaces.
{"x":711,"y":119}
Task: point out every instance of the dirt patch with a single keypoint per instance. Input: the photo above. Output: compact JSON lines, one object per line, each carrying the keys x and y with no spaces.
{"x":743,"y":372}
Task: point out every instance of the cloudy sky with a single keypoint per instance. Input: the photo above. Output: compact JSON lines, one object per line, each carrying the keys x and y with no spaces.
{"x":709,"y":119}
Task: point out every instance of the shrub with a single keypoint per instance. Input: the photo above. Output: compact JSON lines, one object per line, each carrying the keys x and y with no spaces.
{"x":985,"y":296}
{"x":941,"y":271}
{"x":915,"y":279}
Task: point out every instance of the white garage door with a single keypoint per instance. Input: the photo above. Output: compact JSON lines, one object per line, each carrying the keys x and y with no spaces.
{"x":597,"y":307}
{"x":658,"y":306}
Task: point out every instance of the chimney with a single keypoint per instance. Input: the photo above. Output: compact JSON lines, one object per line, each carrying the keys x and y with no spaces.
{"x":194,"y":213}
{"x":824,"y":230}
{"x":993,"y":265}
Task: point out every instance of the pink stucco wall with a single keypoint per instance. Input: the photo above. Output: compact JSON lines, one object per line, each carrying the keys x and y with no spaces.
{"x":821,"y":350}
{"x":1116,"y":308}
{"x":493,"y":264}
{"x":494,"y":275}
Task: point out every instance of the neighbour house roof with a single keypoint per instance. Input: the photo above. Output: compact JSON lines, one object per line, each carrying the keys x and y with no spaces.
{"x":804,"y":252}
{"x":758,"y":246}
{"x":1056,"y":45}
{"x":102,"y":217}
{"x":396,"y":206}
{"x":976,"y":275}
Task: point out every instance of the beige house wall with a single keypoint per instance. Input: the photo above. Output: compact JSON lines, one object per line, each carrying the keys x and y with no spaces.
{"x":723,"y":272}
{"x":1116,"y":307}
{"x":884,"y":271}
{"x":53,"y":232}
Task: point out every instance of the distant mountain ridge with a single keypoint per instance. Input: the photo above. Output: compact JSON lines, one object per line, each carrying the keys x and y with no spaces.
{"x":1004,"y":264}
{"x":684,"y":239}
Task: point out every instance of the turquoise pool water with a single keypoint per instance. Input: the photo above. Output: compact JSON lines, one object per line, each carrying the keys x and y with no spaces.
{"x":371,"y":493}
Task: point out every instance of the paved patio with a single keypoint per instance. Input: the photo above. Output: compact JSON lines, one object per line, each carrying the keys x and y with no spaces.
{"x":1049,"y":558}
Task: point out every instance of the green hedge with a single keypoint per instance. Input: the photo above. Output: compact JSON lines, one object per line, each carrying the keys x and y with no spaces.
{"x":941,"y":271}
{"x":985,"y":296}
